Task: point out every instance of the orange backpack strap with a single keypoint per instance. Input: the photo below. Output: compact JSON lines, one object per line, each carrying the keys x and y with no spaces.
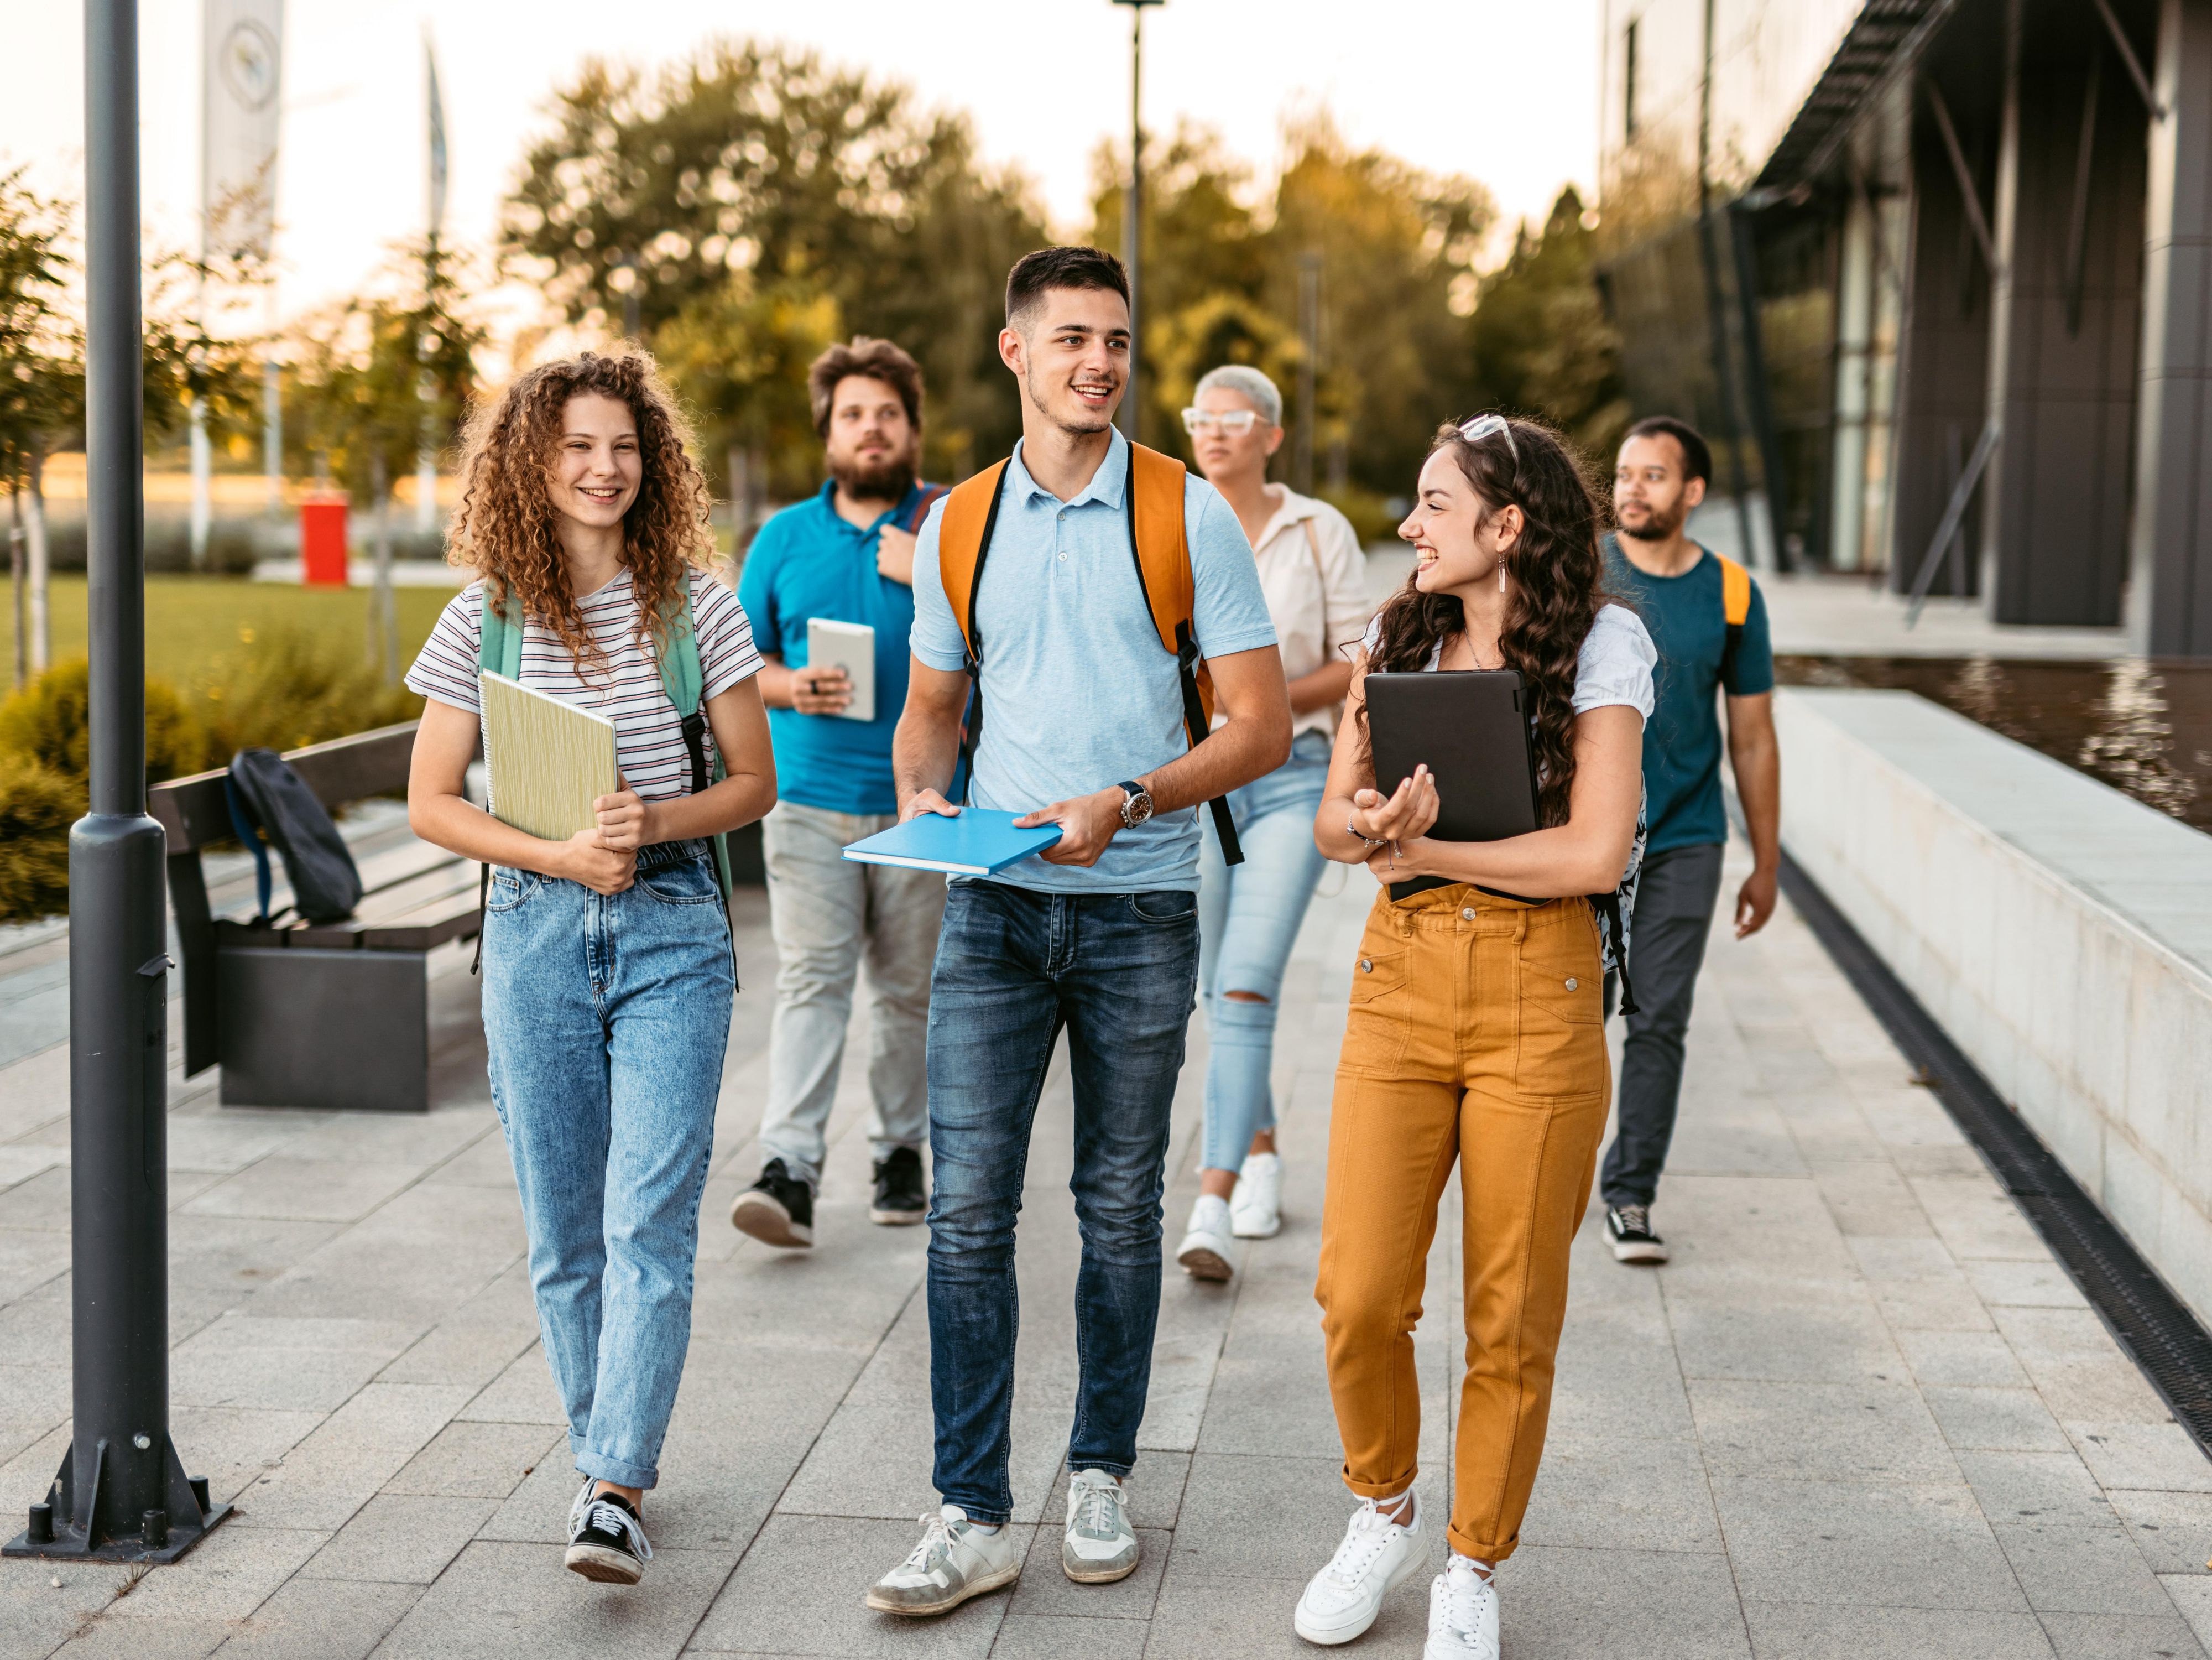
{"x":1736,"y":592}
{"x":1159,"y":542}
{"x":971,"y":513}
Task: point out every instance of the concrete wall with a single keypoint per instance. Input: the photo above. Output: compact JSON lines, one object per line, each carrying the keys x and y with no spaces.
{"x":2061,"y":933}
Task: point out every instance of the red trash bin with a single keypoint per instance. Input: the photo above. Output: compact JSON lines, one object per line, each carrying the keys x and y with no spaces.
{"x":323,"y":542}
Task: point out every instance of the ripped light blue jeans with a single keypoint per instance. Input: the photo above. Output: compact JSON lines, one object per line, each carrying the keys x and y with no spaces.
{"x":606,"y":1016}
{"x":1248,"y":916}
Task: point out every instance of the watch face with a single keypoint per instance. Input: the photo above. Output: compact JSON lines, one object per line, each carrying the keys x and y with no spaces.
{"x":1135,"y":809}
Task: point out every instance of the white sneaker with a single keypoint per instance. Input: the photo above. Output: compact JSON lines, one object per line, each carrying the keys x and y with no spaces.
{"x":1462,"y":1616}
{"x":1376,"y":1557}
{"x":1100,"y":1546}
{"x":954,"y":1560}
{"x":1255,"y":1208}
{"x":1204,"y":1249}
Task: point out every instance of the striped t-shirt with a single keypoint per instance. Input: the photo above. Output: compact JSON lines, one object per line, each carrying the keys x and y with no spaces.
{"x":624,"y":686}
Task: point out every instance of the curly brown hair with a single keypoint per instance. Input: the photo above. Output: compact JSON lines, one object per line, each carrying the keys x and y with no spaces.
{"x":506,"y":528}
{"x":1558,"y":586}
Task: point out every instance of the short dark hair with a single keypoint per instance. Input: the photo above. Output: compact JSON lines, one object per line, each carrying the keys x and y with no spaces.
{"x":873,"y":360}
{"x":1697,"y":455}
{"x":1061,"y":268}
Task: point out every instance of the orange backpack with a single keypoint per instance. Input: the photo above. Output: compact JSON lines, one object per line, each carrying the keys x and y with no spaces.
{"x":1161,"y":551}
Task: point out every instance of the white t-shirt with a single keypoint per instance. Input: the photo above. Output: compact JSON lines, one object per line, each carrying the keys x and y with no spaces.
{"x":1614,"y":665}
{"x":1317,"y":590}
{"x":625,"y":686}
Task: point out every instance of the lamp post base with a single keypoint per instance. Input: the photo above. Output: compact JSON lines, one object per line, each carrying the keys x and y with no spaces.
{"x":162,"y":1535}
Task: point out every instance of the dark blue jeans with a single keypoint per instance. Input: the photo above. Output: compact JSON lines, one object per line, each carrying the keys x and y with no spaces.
{"x":1119,"y":971}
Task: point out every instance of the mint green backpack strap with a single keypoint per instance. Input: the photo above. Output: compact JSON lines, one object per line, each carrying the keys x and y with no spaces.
{"x":684,"y":680}
{"x":499,"y":648}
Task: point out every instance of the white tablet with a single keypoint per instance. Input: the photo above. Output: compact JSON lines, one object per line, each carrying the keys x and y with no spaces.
{"x":851,"y":647}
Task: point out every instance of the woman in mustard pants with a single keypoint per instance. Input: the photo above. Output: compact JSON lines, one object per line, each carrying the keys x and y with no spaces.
{"x":1476,"y":1030}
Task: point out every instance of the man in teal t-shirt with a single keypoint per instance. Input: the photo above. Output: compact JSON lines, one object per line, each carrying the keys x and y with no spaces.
{"x":1678,"y":589}
{"x":844,"y":556}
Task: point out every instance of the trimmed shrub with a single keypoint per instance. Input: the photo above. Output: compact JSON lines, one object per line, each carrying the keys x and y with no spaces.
{"x":48,"y":721}
{"x":38,"y":805}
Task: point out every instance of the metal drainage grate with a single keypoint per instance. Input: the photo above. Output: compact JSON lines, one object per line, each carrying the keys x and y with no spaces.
{"x":2158,"y":1330}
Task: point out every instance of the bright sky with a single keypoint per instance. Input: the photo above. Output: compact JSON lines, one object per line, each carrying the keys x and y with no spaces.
{"x":1502,"y":89}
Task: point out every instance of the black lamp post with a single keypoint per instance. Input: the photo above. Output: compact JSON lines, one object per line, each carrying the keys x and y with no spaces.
{"x":1132,"y":205}
{"x":121,"y":1495}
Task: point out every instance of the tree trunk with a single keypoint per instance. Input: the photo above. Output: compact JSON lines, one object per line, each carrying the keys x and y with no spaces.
{"x":35,"y":544}
{"x":388,"y":612}
{"x":740,"y":501}
{"x":15,"y":575}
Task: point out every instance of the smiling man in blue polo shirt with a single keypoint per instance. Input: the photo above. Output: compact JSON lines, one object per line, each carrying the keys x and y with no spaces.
{"x":846,"y":556}
{"x":1083,"y":727}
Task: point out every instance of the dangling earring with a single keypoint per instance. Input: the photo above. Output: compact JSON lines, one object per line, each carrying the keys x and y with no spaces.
{"x":1501,"y":573}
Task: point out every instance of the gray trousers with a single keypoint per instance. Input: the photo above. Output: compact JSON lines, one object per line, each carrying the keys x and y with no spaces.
{"x":1666,"y":948}
{"x":828,"y":915}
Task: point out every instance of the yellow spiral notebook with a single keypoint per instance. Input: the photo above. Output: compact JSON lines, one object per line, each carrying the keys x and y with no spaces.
{"x":548,"y":760}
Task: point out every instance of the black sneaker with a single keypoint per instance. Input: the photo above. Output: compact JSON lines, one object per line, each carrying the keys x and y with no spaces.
{"x":608,"y":1544}
{"x":899,"y":1196}
{"x":1629,"y":1228}
{"x":776,"y":1210}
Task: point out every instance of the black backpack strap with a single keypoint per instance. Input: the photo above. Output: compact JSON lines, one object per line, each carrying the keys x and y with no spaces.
{"x":484,"y":899}
{"x":1608,"y":906}
{"x":1735,"y":639}
{"x":971,"y":723}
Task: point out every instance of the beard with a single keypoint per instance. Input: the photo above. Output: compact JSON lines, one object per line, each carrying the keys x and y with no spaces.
{"x":888,"y":480}
{"x":1081,"y":422}
{"x":1658,"y":525}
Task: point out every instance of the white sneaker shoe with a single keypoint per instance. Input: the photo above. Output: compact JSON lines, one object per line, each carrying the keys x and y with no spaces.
{"x":1204,"y":1249}
{"x":1462,"y":1616}
{"x":954,"y":1561}
{"x":1376,"y":1557}
{"x":1100,"y":1546}
{"x":1255,"y":1208}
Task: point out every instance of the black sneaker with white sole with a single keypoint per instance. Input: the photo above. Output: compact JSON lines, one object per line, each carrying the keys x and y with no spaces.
{"x":776,"y":1210}
{"x":899,"y":1196}
{"x":1629,"y":1228}
{"x":609,"y":1542}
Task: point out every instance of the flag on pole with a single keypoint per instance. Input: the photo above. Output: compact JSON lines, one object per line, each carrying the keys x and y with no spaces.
{"x":243,"y":61}
{"x":437,"y":138}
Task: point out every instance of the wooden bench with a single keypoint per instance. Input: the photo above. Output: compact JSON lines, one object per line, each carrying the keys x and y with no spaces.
{"x":333,"y":1014}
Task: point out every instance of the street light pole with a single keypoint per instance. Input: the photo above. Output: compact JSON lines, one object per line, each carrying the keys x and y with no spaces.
{"x":1133,"y":204}
{"x":122,"y":1495}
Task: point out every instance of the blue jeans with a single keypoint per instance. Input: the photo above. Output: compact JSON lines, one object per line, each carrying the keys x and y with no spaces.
{"x":1249,"y":916}
{"x":1013,"y":968}
{"x":606,"y":1017}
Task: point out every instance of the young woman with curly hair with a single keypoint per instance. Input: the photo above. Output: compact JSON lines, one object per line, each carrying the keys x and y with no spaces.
{"x":1476,"y":1032}
{"x":607,"y":975}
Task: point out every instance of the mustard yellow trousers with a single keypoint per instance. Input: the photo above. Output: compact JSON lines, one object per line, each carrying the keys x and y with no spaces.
{"x":1476,"y":1034}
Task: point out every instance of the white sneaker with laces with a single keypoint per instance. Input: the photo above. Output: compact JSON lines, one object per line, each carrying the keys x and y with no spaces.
{"x":1100,"y":1546}
{"x":1376,"y":1557}
{"x":1255,"y":1208}
{"x":954,"y":1560}
{"x":1205,"y":1245}
{"x":1462,"y":1614}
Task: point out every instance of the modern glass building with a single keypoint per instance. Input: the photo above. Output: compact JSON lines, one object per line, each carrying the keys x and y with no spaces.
{"x":1935,"y":276}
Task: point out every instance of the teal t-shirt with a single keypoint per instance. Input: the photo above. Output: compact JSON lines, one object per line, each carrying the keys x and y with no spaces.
{"x":1682,"y":739}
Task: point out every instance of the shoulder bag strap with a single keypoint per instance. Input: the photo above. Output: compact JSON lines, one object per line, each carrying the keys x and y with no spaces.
{"x":499,"y":648}
{"x":964,"y":542}
{"x":1735,"y":609}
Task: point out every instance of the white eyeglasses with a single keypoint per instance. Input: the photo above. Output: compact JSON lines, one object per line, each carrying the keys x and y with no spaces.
{"x":1492,"y":426}
{"x":1235,"y":423}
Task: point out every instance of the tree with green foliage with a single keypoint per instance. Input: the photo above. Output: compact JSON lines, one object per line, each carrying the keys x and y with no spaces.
{"x":1541,"y":341}
{"x":41,"y":391}
{"x":751,"y":176}
{"x":378,"y":379}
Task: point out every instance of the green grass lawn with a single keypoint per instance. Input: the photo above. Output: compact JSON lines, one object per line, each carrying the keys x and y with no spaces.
{"x":193,"y":622}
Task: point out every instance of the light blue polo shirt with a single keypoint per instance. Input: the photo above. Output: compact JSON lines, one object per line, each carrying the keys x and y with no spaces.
{"x":1078,"y":694}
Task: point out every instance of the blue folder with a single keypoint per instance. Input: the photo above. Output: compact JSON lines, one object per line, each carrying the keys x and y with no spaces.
{"x":977,"y":843}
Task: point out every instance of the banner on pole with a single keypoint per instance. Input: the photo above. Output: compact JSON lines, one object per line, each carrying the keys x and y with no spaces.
{"x":437,"y":139}
{"x":244,"y":53}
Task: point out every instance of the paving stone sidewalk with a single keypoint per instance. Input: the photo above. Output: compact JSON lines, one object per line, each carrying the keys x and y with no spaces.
{"x":1861,"y":1413}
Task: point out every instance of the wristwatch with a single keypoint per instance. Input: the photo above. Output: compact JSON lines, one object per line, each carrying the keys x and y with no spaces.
{"x":1136,"y":804}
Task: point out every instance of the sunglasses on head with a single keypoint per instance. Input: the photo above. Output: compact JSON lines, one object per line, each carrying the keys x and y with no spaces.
{"x":1235,"y":423}
{"x":1492,"y":426}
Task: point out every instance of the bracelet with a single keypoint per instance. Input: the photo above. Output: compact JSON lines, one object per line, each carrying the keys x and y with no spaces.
{"x":1372,"y":842}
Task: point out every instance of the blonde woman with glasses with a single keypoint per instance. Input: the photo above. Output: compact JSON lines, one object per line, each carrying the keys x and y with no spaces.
{"x":1315,"y":577}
